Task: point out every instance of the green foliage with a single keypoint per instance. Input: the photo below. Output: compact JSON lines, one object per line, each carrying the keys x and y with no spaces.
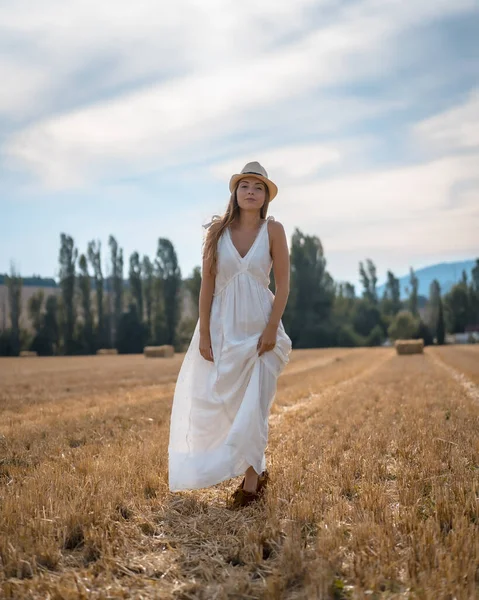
{"x":375,"y":337}
{"x":413,"y":294}
{"x":68,"y":258}
{"x":391,"y":301}
{"x":404,"y":326}
{"x":319,"y":313}
{"x":86,"y":333}
{"x":168,"y":274}
{"x":132,"y":333}
{"x":348,"y":338}
{"x":369,"y":281}
{"x":148,"y":293}
{"x":457,"y":308}
{"x":136,"y":287}
{"x":14,"y":287}
{"x":184,"y":334}
{"x":94,"y":258}
{"x":423,"y":332}
{"x":193,"y":285}
{"x":365,"y":317}
{"x":116,"y":255}
{"x":309,"y":310}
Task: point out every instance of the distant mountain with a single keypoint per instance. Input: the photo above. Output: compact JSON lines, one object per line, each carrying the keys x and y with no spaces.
{"x":446,"y":273}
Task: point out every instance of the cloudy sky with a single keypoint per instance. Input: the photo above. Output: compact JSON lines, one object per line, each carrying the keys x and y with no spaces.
{"x":129,"y":118}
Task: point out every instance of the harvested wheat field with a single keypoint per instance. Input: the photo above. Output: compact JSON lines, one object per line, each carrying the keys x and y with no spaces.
{"x":374,"y":460}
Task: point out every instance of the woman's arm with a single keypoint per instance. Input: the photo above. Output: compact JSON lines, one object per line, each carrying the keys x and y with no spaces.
{"x":206,"y":298}
{"x":281,"y":269}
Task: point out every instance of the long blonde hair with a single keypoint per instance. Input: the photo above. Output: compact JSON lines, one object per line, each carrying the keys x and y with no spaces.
{"x":219,"y":225}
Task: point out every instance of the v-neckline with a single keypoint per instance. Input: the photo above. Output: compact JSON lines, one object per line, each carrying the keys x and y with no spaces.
{"x":242,"y":258}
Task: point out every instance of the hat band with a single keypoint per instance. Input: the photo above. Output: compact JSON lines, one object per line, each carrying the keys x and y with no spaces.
{"x":252,"y":173}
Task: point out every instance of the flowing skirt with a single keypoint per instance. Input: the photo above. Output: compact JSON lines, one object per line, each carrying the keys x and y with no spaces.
{"x":219,"y":418}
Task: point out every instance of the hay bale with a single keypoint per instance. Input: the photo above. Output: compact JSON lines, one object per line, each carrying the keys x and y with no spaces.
{"x":28,"y":353}
{"x":106,"y":351}
{"x":159,"y":351}
{"x":409,"y":346}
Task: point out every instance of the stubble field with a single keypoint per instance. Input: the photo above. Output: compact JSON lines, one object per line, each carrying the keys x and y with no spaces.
{"x":374,"y":461}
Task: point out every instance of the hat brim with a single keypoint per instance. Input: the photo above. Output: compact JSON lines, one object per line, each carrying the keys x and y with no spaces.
{"x":272,"y":187}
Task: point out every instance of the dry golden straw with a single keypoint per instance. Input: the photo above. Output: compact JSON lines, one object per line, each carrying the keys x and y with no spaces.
{"x":373,"y":493}
{"x":106,"y":351}
{"x":27,"y":354}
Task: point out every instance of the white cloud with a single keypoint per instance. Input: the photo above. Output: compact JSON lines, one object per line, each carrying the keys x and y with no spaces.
{"x":410,"y":192}
{"x":409,"y":216}
{"x":454,"y":129}
{"x":292,"y":162}
{"x":233,"y":76}
{"x":19,"y":84}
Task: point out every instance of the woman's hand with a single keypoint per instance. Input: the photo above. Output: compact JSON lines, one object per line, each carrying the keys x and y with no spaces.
{"x":267,"y":340}
{"x":206,"y":350}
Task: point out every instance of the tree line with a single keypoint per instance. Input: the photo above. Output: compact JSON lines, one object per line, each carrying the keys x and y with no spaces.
{"x":97,"y":310}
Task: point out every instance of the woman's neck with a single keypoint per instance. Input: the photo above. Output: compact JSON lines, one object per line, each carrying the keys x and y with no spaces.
{"x":248,"y":220}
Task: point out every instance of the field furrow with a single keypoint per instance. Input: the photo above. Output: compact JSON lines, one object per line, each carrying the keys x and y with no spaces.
{"x":374,"y":461}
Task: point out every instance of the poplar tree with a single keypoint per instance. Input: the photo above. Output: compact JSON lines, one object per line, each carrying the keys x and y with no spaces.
{"x":68,"y":258}
{"x":116,"y":255}
{"x":136,"y":287}
{"x":169,"y":280}
{"x":94,"y":258}
{"x":84,"y":283}
{"x":148,"y":293}
{"x":14,"y":286}
{"x":413,"y":294}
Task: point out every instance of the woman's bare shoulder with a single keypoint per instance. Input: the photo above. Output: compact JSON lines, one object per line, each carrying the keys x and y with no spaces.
{"x":275,"y":227}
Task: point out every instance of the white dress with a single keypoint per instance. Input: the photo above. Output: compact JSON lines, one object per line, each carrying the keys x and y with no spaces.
{"x":219,"y":417}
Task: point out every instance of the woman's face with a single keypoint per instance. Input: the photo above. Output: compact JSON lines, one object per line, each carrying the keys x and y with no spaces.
{"x":251,"y":193}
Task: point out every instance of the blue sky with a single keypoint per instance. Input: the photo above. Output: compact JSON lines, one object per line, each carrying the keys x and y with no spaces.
{"x":129,"y":118}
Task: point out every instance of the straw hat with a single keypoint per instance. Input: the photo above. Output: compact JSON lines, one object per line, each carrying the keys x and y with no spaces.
{"x":254,"y":168}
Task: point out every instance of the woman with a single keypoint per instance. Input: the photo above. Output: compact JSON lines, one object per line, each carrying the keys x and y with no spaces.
{"x":227,"y":381}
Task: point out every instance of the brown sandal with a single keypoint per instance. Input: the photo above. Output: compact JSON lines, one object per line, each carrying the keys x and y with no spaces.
{"x":241,"y":497}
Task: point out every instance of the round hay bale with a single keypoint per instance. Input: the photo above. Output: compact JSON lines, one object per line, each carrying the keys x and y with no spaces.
{"x":106,"y":351}
{"x":28,"y":354}
{"x":409,"y":346}
{"x":159,"y":351}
